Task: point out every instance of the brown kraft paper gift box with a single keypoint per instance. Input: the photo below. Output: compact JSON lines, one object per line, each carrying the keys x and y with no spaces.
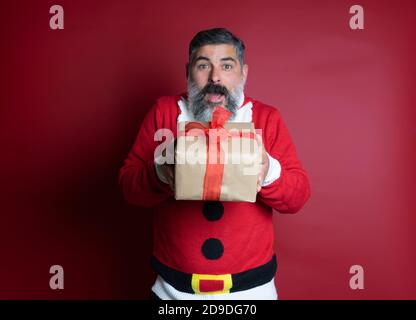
{"x":233,"y":180}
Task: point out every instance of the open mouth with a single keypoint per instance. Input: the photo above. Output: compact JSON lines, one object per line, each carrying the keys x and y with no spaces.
{"x":215,"y":97}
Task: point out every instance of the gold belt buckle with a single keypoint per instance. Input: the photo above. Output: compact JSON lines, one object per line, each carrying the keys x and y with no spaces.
{"x":226,"y":278}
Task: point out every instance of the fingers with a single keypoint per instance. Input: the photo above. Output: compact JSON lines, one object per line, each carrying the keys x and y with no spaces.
{"x":170,"y":176}
{"x":260,"y":180}
{"x":172,"y":185}
{"x":260,"y":177}
{"x":259,"y":139}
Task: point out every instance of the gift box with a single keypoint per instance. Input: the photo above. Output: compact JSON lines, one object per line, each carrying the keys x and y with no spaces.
{"x":217,"y":160}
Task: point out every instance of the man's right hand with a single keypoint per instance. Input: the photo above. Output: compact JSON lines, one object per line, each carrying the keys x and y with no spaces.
{"x":166,"y":174}
{"x":164,"y":169}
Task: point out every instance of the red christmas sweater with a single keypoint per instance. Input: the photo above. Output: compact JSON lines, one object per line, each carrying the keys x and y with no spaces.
{"x":187,"y":233}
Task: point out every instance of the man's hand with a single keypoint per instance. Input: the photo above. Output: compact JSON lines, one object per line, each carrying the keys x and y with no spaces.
{"x":264,"y":163}
{"x":168,"y":172}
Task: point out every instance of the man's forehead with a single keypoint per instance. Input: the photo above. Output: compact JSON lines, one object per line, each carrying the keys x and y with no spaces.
{"x":217,"y":51}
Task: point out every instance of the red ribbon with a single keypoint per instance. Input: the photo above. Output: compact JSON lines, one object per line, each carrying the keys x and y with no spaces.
{"x":215,"y":169}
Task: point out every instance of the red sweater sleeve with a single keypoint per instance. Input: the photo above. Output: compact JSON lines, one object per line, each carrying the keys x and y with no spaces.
{"x":137,"y":178}
{"x":291,"y":190}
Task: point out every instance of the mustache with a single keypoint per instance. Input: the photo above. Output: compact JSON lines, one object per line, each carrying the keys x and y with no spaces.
{"x":216,"y":89}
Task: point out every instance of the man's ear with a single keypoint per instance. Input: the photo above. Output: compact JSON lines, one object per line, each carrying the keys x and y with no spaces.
{"x":245,"y":72}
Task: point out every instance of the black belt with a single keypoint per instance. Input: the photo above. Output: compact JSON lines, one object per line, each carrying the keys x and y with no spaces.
{"x":198,"y":283}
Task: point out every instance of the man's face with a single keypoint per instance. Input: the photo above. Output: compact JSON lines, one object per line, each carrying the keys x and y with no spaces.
{"x":217,"y":64}
{"x":215,"y":77}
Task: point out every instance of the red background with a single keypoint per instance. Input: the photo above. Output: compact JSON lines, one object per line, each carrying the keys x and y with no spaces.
{"x":72,"y":101}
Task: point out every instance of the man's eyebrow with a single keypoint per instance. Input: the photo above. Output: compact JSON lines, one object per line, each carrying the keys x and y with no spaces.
{"x":229,"y":59}
{"x":201,"y":58}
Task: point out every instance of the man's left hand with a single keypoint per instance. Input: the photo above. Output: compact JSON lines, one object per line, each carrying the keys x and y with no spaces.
{"x":264,"y":163}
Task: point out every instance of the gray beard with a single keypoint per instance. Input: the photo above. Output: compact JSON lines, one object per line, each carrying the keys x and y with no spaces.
{"x":201,"y":109}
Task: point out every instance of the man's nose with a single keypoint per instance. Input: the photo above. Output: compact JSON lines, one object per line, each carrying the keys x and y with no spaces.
{"x":215,"y":76}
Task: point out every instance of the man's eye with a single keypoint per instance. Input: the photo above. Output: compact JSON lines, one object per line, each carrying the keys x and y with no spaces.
{"x":202,"y":66}
{"x":227,"y":66}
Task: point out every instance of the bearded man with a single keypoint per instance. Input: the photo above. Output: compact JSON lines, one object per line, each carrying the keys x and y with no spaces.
{"x":215,"y":249}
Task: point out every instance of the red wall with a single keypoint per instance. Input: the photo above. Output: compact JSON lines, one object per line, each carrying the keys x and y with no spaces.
{"x":72,"y":101}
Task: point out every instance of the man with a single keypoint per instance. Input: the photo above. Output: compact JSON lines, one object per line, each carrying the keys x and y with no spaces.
{"x":214,"y":249}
